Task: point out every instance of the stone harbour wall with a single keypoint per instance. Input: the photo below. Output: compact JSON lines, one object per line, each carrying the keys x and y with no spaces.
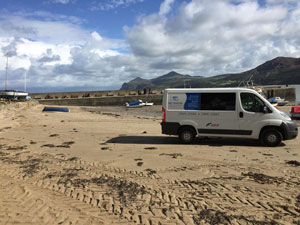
{"x":102,"y":101}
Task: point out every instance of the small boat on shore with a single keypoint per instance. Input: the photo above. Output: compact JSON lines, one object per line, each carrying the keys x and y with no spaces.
{"x":277,"y":100}
{"x":13,"y":95}
{"x":149,"y":103}
{"x":138,"y":104}
{"x":56,"y":109}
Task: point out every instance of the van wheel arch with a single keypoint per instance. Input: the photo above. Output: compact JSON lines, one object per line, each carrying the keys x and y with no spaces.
{"x":271,"y":132}
{"x":187,"y":134}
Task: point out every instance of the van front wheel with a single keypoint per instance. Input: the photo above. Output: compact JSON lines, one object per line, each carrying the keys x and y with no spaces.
{"x":271,"y":137}
{"x":187,"y":135}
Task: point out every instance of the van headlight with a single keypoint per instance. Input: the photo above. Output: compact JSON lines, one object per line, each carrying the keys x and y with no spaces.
{"x":286,"y":116}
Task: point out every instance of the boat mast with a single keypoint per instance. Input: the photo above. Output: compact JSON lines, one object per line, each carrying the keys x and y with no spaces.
{"x":6,"y":72}
{"x":25,"y":81}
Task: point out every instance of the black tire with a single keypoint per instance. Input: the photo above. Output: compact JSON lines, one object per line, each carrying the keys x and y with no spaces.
{"x":271,"y":137}
{"x":187,"y":135}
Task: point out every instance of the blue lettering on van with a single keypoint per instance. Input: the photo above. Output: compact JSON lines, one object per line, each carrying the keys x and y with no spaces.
{"x":192,"y":101}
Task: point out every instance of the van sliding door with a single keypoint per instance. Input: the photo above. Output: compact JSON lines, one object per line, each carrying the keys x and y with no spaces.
{"x":218,"y":115}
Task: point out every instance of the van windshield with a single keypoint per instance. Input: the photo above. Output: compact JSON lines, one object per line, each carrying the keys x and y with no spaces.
{"x":252,"y":103}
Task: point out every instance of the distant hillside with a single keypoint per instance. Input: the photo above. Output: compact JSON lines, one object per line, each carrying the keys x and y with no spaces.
{"x":281,"y":70}
{"x":137,"y":83}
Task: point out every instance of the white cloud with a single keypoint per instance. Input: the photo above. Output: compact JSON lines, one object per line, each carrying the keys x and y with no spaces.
{"x":96,"y":36}
{"x":58,"y":66}
{"x":53,"y":57}
{"x":214,"y":37}
{"x":113,"y":4}
{"x":281,"y":1}
{"x":165,"y":7}
{"x":200,"y":37}
{"x":61,"y":1}
{"x":43,"y":27}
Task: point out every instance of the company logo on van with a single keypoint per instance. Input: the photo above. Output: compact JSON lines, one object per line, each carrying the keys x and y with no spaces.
{"x":212,"y":125}
{"x":175,"y":98}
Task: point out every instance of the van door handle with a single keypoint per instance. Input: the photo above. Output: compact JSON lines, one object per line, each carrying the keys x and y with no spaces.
{"x":241,"y":114}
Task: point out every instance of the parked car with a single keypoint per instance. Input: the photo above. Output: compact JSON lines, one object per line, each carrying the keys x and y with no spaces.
{"x":295,"y":112}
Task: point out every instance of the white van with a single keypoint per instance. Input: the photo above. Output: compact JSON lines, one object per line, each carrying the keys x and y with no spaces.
{"x":224,"y":112}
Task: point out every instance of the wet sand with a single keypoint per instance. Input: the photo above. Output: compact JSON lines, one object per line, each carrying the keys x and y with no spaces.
{"x":112,"y":165}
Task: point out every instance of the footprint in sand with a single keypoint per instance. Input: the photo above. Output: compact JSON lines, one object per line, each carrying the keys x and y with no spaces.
{"x":66,"y":144}
{"x":293,"y":162}
{"x":150,"y":148}
{"x":63,"y":145}
{"x":150,"y":171}
{"x":173,"y":155}
{"x":5,"y":128}
{"x":139,"y":163}
{"x":16,"y":148}
{"x":48,"y":145}
{"x":69,"y":142}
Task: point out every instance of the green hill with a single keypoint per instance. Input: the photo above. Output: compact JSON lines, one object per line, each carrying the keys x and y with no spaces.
{"x":278,"y":71}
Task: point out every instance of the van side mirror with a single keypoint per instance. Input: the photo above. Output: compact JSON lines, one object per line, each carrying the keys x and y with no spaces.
{"x":265,"y":109}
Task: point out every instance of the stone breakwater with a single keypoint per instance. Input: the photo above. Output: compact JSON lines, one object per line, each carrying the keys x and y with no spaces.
{"x":96,"y":94}
{"x":99,"y":98}
{"x":102,"y":101}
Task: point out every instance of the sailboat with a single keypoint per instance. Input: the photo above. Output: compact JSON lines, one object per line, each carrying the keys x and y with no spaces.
{"x":12,"y":94}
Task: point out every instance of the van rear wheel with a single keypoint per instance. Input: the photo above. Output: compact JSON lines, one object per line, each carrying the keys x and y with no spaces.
{"x":187,"y":135}
{"x":271,"y":137}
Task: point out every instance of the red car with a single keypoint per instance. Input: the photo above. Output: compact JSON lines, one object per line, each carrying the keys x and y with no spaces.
{"x":295,"y":112}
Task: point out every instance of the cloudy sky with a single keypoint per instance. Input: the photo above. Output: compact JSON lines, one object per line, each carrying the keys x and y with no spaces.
{"x":69,"y":45}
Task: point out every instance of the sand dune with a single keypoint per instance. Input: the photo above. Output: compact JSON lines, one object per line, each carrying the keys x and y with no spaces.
{"x":111,"y":165}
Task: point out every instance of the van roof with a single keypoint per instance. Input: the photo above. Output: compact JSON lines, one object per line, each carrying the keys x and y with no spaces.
{"x":229,"y":89}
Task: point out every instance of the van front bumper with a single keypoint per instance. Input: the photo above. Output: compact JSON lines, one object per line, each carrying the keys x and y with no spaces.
{"x":290,"y":130}
{"x":170,"y":128}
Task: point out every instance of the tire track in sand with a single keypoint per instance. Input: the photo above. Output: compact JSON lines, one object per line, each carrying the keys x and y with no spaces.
{"x":24,"y":203}
{"x":143,"y":198}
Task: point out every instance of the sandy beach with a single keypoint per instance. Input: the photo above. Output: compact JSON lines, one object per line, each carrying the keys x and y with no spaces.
{"x":112,"y":165}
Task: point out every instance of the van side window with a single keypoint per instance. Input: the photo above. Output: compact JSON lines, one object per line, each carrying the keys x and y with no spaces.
{"x":251,"y":102}
{"x":218,"y":101}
